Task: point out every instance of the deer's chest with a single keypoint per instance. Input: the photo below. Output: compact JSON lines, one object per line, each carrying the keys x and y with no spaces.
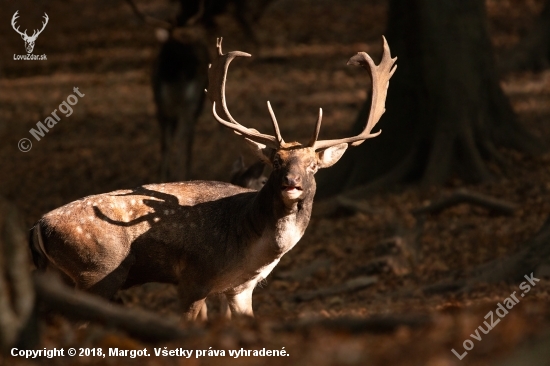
{"x":268,"y":250}
{"x":275,"y":243}
{"x":265,"y":253}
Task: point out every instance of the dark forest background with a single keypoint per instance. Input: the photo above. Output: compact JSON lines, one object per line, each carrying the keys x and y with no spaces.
{"x":443,"y":213}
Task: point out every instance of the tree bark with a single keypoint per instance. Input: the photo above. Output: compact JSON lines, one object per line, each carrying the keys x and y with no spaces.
{"x":16,"y":291}
{"x":533,"y":51}
{"x":446,"y":113}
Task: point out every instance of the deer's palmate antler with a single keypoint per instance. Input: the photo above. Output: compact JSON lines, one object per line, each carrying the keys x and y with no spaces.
{"x":380,"y":75}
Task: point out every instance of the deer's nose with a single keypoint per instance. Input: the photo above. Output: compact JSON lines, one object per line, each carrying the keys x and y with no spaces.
{"x":292,"y":180}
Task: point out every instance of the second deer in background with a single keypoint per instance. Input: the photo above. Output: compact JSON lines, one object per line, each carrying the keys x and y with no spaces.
{"x":179,"y":79}
{"x":248,"y":177}
{"x":179,"y":75}
{"x":245,"y":12}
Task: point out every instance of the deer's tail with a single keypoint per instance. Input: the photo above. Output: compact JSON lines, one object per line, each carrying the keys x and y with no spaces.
{"x":36,"y":244}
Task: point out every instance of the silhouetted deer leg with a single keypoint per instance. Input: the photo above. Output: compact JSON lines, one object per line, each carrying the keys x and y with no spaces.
{"x":192,"y":297}
{"x":225,"y":311}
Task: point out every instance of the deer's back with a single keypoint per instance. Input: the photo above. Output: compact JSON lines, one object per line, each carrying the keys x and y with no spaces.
{"x":148,"y":227}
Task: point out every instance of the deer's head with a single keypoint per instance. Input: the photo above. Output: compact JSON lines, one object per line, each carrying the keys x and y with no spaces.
{"x":294,"y":164}
{"x":29,"y":40}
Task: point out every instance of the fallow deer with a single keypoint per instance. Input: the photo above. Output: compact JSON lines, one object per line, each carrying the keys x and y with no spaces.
{"x":179,"y":78}
{"x":206,"y":237}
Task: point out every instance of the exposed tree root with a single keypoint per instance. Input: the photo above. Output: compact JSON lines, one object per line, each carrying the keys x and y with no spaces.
{"x":81,"y":306}
{"x":355,"y":284}
{"x":465,"y":196}
{"x":442,"y":121}
{"x":508,"y":269}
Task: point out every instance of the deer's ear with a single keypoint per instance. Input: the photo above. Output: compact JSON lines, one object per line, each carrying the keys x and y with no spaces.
{"x":255,"y":170}
{"x":238,"y":165}
{"x":261,"y":151}
{"x":329,"y":156}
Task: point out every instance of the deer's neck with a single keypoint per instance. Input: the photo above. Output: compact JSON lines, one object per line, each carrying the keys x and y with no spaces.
{"x":279,"y":224}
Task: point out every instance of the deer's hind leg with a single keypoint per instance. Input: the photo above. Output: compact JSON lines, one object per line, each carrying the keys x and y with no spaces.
{"x":106,"y":285}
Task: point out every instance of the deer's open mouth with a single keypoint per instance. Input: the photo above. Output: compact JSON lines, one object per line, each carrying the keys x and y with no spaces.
{"x":291,"y":192}
{"x":292,"y":188}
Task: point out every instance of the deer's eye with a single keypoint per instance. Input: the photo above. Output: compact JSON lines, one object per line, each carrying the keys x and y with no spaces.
{"x":313,"y":166}
{"x":276,"y":164}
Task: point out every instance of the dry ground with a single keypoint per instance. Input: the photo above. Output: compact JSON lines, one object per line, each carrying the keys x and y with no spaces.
{"x":112,"y":141}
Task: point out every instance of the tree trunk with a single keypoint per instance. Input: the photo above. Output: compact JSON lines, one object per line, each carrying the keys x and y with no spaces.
{"x":446,"y":113}
{"x":16,"y":292}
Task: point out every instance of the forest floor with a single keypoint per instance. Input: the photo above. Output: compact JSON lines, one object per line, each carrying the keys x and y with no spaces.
{"x":111,"y":141}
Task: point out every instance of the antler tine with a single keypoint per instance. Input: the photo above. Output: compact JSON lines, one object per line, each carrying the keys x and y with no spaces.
{"x":275,"y":125}
{"x":317,"y":129}
{"x":380,"y":75}
{"x":218,"y":69}
{"x":217,"y":76}
{"x":247,"y":133}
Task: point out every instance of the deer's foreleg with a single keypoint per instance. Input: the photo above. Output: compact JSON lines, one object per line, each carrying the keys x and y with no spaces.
{"x":240,"y":300}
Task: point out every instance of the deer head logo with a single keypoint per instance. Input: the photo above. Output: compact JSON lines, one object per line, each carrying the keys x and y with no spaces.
{"x":29,"y":40}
